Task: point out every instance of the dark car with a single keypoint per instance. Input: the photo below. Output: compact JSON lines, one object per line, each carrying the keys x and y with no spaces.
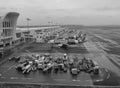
{"x":16,"y":59}
{"x":12,"y":58}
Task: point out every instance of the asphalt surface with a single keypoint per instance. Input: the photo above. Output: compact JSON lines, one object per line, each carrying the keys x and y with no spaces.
{"x":109,"y":73}
{"x":9,"y":74}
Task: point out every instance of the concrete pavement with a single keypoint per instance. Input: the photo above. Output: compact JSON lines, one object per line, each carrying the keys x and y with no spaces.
{"x":10,"y":75}
{"x":100,"y":56}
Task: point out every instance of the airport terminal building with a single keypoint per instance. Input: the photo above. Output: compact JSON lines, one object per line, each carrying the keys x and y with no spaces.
{"x":11,"y":36}
{"x":7,"y":28}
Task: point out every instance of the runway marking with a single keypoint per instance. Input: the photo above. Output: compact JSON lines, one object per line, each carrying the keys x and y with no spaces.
{"x":106,"y":70}
{"x":13,"y":77}
{"x":75,"y":80}
{"x":108,"y":76}
{"x":99,"y":80}
{"x":9,"y":68}
{"x":44,"y":84}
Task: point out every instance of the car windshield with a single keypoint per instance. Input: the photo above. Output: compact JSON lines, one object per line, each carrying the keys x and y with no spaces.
{"x":56,"y":43}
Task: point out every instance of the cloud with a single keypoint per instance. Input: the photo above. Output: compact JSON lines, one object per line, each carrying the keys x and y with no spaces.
{"x":39,"y":10}
{"x":116,"y":8}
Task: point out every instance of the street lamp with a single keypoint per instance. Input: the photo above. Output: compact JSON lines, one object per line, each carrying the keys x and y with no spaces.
{"x":28,"y":19}
{"x":49,"y":23}
{"x":3,"y":49}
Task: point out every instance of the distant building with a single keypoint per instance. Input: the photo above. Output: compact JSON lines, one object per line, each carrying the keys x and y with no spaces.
{"x":28,"y":35}
{"x":42,"y":34}
{"x":8,"y":28}
{"x":11,"y":36}
{"x":38,"y":33}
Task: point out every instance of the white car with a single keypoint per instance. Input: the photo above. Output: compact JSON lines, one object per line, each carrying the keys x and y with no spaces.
{"x":51,"y":41}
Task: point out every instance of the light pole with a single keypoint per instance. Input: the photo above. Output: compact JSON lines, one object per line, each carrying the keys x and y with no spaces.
{"x":49,"y":23}
{"x":3,"y":49}
{"x":28,"y":19}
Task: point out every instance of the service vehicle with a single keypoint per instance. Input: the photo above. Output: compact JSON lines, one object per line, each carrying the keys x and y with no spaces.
{"x":74,"y":71}
{"x":16,"y":59}
{"x":72,"y":40}
{"x":27,"y":68}
{"x":12,"y":58}
{"x":20,"y":66}
{"x":95,"y":67}
{"x":88,"y":65}
{"x":40,"y":66}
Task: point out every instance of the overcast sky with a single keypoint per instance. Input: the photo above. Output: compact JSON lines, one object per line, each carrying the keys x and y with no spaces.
{"x":86,"y":12}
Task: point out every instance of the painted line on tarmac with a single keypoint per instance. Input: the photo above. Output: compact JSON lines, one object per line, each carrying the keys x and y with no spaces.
{"x":75,"y":80}
{"x":13,"y":77}
{"x":9,"y":68}
{"x":99,"y":80}
{"x":43,"y":84}
{"x":108,"y":76}
{"x":106,"y":70}
{"x":101,"y":74}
